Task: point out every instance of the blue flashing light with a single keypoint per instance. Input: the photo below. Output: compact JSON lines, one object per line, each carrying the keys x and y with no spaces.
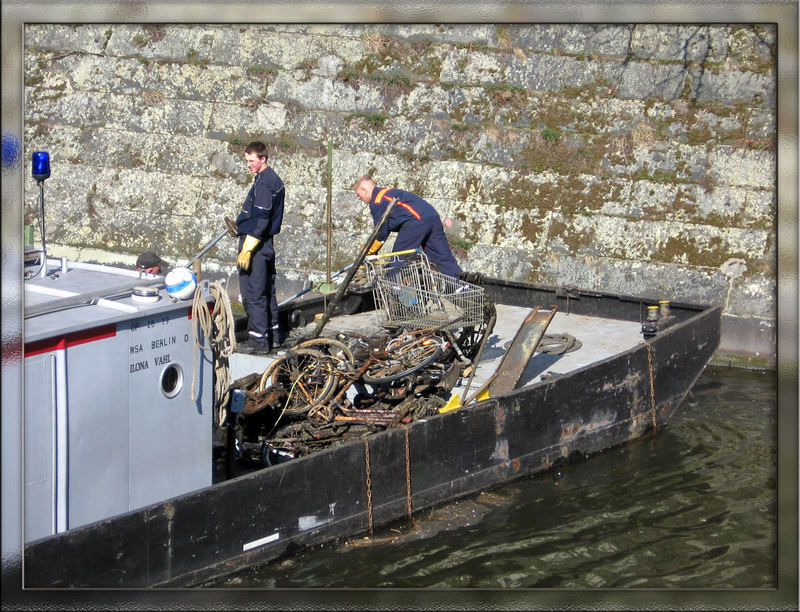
{"x":41,"y":165}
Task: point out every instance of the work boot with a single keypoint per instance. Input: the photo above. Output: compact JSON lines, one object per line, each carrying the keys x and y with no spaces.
{"x":256,"y":346}
{"x":276,"y":339}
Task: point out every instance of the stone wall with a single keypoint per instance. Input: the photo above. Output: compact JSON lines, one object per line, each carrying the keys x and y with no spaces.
{"x":635,"y":158}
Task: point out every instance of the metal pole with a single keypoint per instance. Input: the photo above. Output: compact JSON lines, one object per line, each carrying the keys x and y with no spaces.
{"x":43,"y":268}
{"x":62,"y":439}
{"x":334,"y":303}
{"x":330,"y":198}
{"x":476,"y":360}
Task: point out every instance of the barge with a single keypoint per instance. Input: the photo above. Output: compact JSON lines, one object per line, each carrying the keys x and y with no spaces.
{"x":120,"y":483}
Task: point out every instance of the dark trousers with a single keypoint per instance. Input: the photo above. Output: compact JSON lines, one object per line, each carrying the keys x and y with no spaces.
{"x":429,"y":235}
{"x":258,"y":294}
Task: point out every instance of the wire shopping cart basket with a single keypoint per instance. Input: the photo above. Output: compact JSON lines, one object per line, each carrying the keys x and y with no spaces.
{"x":409,"y":293}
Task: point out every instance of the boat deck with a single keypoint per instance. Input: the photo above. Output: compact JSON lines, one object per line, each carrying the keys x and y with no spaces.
{"x":74,"y":297}
{"x":600,"y":338}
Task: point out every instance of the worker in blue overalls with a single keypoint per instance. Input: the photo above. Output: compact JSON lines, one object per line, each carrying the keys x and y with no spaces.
{"x":416,"y":222}
{"x":258,"y":221}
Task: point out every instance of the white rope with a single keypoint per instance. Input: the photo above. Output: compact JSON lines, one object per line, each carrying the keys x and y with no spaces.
{"x":219,"y":332}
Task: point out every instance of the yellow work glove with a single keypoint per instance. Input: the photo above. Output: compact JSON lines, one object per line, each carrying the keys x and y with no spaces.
{"x":243,"y":260}
{"x":375,"y":247}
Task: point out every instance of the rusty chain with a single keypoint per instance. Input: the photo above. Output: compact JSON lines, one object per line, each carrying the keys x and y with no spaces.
{"x":369,"y":482}
{"x":408,"y":475}
{"x":652,"y":386}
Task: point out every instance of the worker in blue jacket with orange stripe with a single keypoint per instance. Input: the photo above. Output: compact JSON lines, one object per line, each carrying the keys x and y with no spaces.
{"x":416,"y":222}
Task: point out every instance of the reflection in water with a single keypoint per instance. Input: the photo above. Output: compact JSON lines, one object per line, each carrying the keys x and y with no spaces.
{"x":692,"y":507}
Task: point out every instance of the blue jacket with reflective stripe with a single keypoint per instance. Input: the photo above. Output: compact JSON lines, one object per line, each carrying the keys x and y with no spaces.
{"x":409,"y":208}
{"x":262,"y":212}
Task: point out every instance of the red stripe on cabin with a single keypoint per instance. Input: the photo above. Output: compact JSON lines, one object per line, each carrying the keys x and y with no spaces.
{"x":74,"y":339}
{"x":45,"y":346}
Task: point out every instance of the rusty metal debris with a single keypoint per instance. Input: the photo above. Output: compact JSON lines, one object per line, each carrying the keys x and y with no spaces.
{"x":518,"y":353}
{"x":327,"y":390}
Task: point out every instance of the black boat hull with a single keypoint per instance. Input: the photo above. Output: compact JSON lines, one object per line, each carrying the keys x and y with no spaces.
{"x":345,"y":489}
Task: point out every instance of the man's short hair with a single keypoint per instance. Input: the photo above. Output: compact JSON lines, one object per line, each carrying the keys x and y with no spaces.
{"x":361,"y":179}
{"x":257,"y":147}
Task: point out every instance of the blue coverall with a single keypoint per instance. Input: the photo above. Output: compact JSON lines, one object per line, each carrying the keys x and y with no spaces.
{"x":261,"y":217}
{"x":417,"y":225}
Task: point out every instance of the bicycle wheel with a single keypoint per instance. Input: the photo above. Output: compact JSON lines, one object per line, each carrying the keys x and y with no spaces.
{"x":403,"y":359}
{"x":308,"y":375}
{"x":332,"y":347}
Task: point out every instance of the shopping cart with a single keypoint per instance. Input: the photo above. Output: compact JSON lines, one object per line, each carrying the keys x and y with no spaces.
{"x":409,"y":293}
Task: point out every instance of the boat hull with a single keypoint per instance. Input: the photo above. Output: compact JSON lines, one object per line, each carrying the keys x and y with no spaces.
{"x":347,"y":489}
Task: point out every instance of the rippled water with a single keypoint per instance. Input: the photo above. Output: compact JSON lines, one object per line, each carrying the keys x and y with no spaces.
{"x":692,"y":507}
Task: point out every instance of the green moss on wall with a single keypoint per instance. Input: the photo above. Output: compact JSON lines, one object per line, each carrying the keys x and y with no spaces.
{"x":548,"y":152}
{"x":373,"y":120}
{"x":700,"y":136}
{"x":508,"y":96}
{"x":686,"y":250}
{"x":532,"y":228}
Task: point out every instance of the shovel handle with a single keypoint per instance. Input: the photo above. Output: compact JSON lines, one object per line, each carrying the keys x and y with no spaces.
{"x":207,"y":247}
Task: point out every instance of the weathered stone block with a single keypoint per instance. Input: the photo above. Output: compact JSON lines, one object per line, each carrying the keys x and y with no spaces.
{"x":187,"y":43}
{"x":742,"y":167}
{"x":753,"y":295}
{"x":84,"y":38}
{"x":79,"y":108}
{"x":599,"y":39}
{"x":157,"y":114}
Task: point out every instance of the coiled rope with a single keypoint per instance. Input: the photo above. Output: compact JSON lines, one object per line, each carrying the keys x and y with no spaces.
{"x":218,"y":329}
{"x":558,"y":344}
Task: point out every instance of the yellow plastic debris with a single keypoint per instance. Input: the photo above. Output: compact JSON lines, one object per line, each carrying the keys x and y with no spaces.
{"x":452,"y":404}
{"x":483,"y":395}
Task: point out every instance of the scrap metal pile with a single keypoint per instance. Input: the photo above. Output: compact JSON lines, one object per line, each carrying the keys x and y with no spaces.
{"x":330,"y":389}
